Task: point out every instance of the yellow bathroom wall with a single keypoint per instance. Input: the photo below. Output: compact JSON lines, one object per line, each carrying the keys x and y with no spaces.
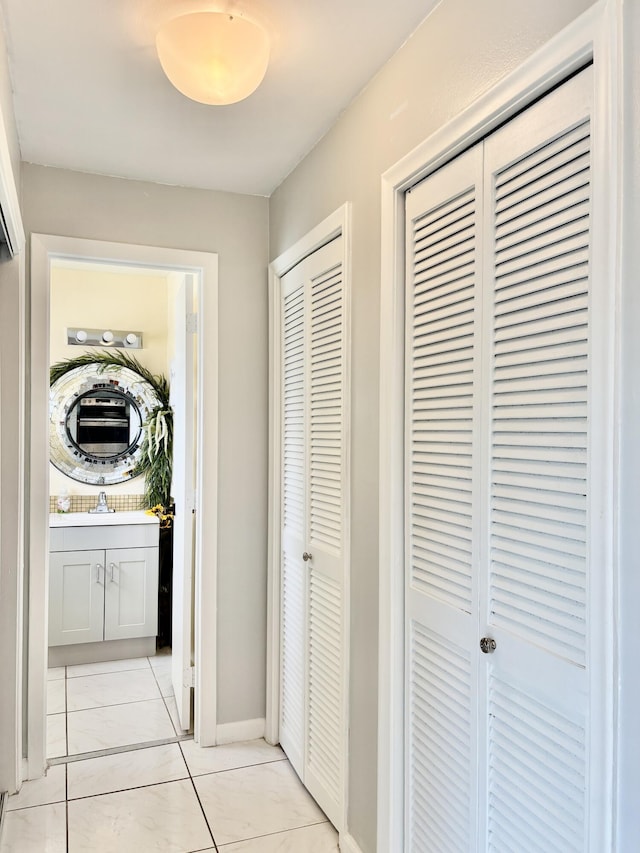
{"x":106,"y":299}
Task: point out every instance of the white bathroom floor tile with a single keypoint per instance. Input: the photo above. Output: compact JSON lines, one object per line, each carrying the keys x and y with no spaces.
{"x":56,"y":692}
{"x":126,"y":770}
{"x":215,"y":759}
{"x":161,"y":661}
{"x":112,"y":688}
{"x":163,"y":818}
{"x":50,"y":789}
{"x":106,"y":666}
{"x":42,"y":829}
{"x":55,"y":672}
{"x":173,"y":713}
{"x":165,"y":684}
{"x":321,"y":838}
{"x":253,"y":801}
{"x":118,"y":725}
{"x":56,"y":735}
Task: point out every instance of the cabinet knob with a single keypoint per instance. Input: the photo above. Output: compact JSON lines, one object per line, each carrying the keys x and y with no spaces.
{"x":487,"y":645}
{"x":306,"y":556}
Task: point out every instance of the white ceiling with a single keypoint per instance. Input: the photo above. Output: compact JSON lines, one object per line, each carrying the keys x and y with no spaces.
{"x":90,"y":94}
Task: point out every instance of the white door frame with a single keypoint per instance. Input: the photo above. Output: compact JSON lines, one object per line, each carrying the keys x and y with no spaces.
{"x":336,"y":224}
{"x":204,"y":266}
{"x":12,"y":458}
{"x":594,"y":36}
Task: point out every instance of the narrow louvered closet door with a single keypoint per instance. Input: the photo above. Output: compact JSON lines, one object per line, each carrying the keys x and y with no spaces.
{"x":536,"y":584}
{"x":441,"y":598}
{"x":313,"y":634}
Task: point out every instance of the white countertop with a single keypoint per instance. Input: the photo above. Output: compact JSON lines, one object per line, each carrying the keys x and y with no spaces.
{"x":99,"y":519}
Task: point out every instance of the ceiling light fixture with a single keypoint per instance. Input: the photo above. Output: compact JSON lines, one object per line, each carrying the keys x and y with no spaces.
{"x":213,"y":57}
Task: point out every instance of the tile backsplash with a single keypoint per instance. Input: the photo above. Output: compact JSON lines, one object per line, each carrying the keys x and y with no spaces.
{"x":83,"y":503}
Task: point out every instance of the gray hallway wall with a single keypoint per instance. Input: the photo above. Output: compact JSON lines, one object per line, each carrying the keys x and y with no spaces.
{"x":460,"y":51}
{"x":76,"y":204}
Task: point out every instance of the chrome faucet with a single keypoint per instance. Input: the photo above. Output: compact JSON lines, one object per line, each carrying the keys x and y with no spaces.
{"x":102,"y":505}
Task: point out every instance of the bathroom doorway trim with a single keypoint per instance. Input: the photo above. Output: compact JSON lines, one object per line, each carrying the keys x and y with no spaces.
{"x":204,"y":267}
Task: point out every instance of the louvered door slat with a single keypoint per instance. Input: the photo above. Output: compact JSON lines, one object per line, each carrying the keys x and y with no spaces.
{"x":574,"y":139}
{"x":565,"y":220}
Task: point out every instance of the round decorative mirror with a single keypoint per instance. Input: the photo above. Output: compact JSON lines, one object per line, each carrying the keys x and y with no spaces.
{"x":95,"y":423}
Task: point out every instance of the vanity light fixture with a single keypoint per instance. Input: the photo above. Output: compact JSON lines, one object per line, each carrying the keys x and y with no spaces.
{"x":212,"y":57}
{"x":104,"y":338}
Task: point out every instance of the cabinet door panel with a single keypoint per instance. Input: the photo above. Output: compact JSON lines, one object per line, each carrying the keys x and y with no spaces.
{"x":131,"y":593}
{"x":76,"y":597}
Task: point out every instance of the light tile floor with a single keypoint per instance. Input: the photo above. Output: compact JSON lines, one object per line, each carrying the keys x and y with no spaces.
{"x":174,"y":798}
{"x":170,"y":798}
{"x":109,"y":705}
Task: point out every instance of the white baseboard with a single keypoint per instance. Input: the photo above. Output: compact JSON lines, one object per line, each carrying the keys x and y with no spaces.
{"x":242,"y":730}
{"x":347,"y":844}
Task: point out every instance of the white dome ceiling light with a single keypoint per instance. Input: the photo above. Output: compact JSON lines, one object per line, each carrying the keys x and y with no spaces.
{"x":213,"y":57}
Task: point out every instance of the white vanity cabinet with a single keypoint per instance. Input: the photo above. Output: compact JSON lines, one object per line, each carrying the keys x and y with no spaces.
{"x":103,"y":581}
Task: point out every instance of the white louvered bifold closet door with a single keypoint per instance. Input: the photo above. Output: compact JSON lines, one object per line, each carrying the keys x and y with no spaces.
{"x":535,"y":592}
{"x":313,"y":639}
{"x":498,"y":468}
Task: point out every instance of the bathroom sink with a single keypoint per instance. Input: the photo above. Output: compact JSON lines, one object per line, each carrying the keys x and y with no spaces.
{"x":85,"y":519}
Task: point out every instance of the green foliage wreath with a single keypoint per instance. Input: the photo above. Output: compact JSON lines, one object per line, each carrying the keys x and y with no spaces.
{"x":157,"y":445}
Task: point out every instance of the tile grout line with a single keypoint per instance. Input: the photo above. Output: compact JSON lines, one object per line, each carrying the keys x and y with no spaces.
{"x":66,"y":715}
{"x":234,"y":769}
{"x":128,"y":790}
{"x":193,"y":784}
{"x":204,"y":814}
{"x":66,"y":792}
{"x":291,"y":829}
{"x":164,"y":699}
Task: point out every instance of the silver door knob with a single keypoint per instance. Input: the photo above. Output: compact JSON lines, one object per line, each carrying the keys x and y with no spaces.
{"x":306,"y":556}
{"x":487,"y":645}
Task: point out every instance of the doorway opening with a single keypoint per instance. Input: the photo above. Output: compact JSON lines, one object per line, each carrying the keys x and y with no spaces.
{"x":126,"y":687}
{"x":110,"y":669}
